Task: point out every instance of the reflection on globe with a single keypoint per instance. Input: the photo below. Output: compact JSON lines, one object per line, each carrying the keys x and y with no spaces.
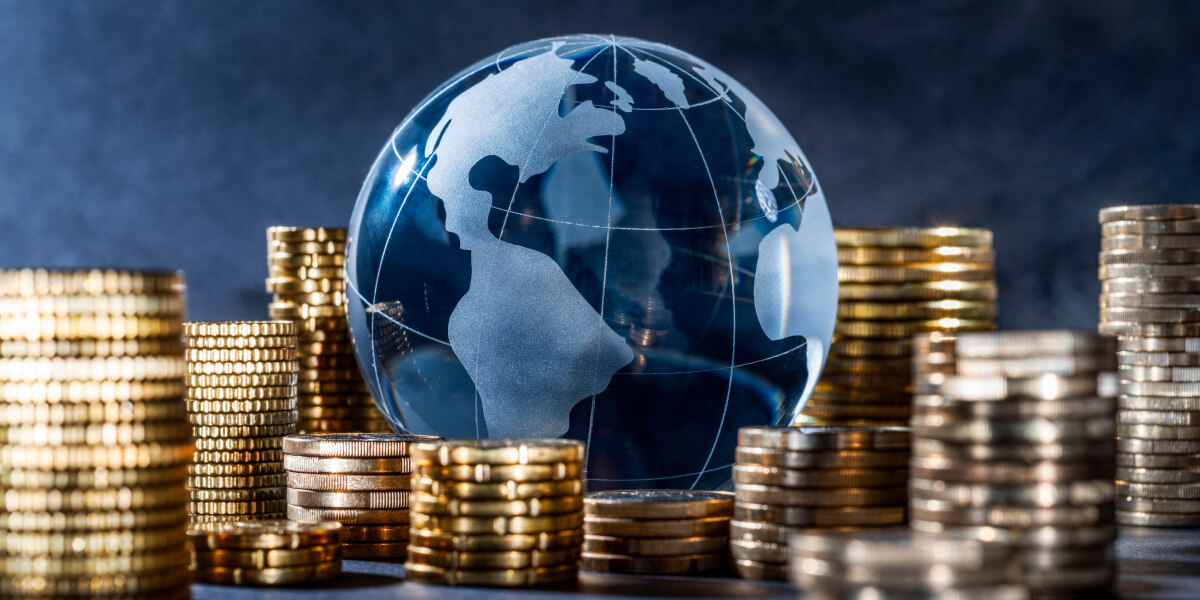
{"x":600,"y":238}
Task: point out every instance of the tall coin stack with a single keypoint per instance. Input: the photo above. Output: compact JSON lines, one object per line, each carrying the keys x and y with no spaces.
{"x":657,"y":532}
{"x":1150,"y":268}
{"x":266,"y":553}
{"x":496,"y":512}
{"x":307,"y":278}
{"x":894,"y":283}
{"x":790,"y":479}
{"x":1023,"y":440}
{"x":241,"y":402}
{"x":361,"y":480}
{"x":94,"y":439}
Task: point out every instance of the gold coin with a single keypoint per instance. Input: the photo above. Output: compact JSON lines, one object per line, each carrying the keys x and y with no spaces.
{"x":242,"y":380}
{"x":532,"y":507}
{"x":235,"y":507}
{"x":863,"y":255}
{"x":90,"y":348}
{"x":262,"y":468}
{"x":655,"y":546}
{"x":374,"y":499}
{"x":237,"y":481}
{"x":267,"y":493}
{"x":659,"y":504}
{"x":329,"y":298}
{"x":507,"y":490}
{"x":857,"y":411}
{"x":240,"y":354}
{"x":282,"y":417}
{"x":375,"y":550}
{"x":330,"y":374}
{"x":239,"y":456}
{"x":306,"y":327}
{"x":338,"y":412}
{"x":375,"y":533}
{"x":144,"y":518}
{"x":513,"y":559}
{"x":341,"y":334}
{"x":833,"y":478}
{"x":333,"y":482}
{"x":343,"y":426}
{"x":96,"y":434}
{"x":240,"y":431}
{"x":363,"y":466}
{"x":839,"y":395}
{"x":886,"y":366}
{"x":656,"y":528}
{"x":267,"y":557}
{"x":242,"y":393}
{"x":161,"y":584}
{"x":851,"y":348}
{"x":307,"y":234}
{"x":92,"y":478}
{"x":1150,"y":212}
{"x":238,"y":329}
{"x":109,"y":499}
{"x":79,"y":413}
{"x":287,"y":310}
{"x":270,"y":405}
{"x":90,"y":391}
{"x":349,"y":516}
{"x":208,"y":522}
{"x":310,"y":348}
{"x":654,"y":565}
{"x":33,"y":282}
{"x":95,"y":457}
{"x":76,"y":566}
{"x":307,"y":247}
{"x":242,"y":367}
{"x":498,"y":452}
{"x":546,"y":540}
{"x":90,"y":543}
{"x":485,"y":473}
{"x":491,"y":577}
{"x":268,"y":576}
{"x":932,"y":309}
{"x":497,"y":525}
{"x":831,"y":459}
{"x":913,"y":237}
{"x":905,"y":329}
{"x":949,"y":289}
{"x":285,"y":259}
{"x":824,"y":497}
{"x":111,"y":368}
{"x":76,"y":327}
{"x":332,"y":387}
{"x":243,"y":342}
{"x":348,"y":400}
{"x":161,"y":305}
{"x":267,"y":535}
{"x":277,"y":272}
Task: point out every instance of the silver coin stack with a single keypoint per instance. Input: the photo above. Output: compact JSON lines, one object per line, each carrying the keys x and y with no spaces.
{"x":898,"y":563}
{"x":1023,"y":440}
{"x":1150,"y":268}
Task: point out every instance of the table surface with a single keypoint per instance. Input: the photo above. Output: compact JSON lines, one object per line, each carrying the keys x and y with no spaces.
{"x":1152,"y":563}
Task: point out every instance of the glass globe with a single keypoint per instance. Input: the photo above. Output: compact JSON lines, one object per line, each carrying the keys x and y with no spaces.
{"x":600,"y":238}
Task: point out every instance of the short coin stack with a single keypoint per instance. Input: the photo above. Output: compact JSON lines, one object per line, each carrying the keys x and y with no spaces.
{"x":893,"y":283}
{"x":496,"y":512}
{"x":903,"y":564}
{"x":789,"y":479}
{"x":657,"y":532}
{"x":307,"y":278}
{"x":241,"y":402}
{"x":94,"y":439}
{"x":275,"y":552}
{"x":361,"y":480}
{"x":1150,"y":268}
{"x":1023,"y":440}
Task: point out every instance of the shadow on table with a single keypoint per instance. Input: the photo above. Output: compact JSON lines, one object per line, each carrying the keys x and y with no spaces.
{"x":677,"y":587}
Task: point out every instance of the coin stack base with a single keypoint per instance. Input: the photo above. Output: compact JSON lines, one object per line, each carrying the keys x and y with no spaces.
{"x":791,"y":479}
{"x":657,"y":532}
{"x":266,"y":553}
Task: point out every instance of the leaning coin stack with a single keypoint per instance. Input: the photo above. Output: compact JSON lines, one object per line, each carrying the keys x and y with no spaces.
{"x":496,"y":512}
{"x":903,"y":564}
{"x":94,"y":439}
{"x":657,"y":532}
{"x":361,"y":480}
{"x":1023,"y":440}
{"x":241,"y":402}
{"x":894,"y":283}
{"x":277,"y":552}
{"x":790,"y":479}
{"x":307,"y":278}
{"x":1150,"y":268}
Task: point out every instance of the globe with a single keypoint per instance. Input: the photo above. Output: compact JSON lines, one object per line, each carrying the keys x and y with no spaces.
{"x":600,"y":238}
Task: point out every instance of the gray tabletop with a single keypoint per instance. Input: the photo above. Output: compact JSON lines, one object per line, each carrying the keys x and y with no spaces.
{"x":1153,"y":563}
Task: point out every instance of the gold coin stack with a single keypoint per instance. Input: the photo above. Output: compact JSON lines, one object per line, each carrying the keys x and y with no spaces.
{"x":94,"y":439}
{"x":1150,"y":268}
{"x":657,"y":532}
{"x":361,"y":480}
{"x":307,"y":278}
{"x":496,"y":512}
{"x":894,"y":283}
{"x":266,"y":553}
{"x":241,"y":402}
{"x":1022,"y":440}
{"x":790,"y":479}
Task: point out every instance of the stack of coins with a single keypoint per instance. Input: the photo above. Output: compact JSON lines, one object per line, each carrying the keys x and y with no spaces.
{"x":657,"y":532}
{"x":1023,"y":440}
{"x":903,"y":564}
{"x":496,"y":512}
{"x":241,"y":402}
{"x":307,"y":278}
{"x":1150,"y":268}
{"x":789,"y":479}
{"x":894,"y":283}
{"x":94,"y":439}
{"x":275,"y":552}
{"x":361,"y":480}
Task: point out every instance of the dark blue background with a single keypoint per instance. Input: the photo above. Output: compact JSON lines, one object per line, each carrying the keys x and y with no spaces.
{"x":171,"y":134}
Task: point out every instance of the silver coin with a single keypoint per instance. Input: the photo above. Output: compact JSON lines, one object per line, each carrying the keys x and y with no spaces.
{"x":1161,"y":388}
{"x":1034,"y":366}
{"x":825,"y":438}
{"x":1140,"y":446}
{"x":1140,"y":227}
{"x":1185,"y":491}
{"x":869,"y":592}
{"x":1149,"y":242}
{"x":1155,"y":330}
{"x":750,"y":569}
{"x":1158,"y":461}
{"x":801,"y":516}
{"x":1158,"y":359}
{"x":1167,"y":256}
{"x":759,"y":531}
{"x":1158,"y":505}
{"x":1177,"y":374}
{"x":1045,"y":387}
{"x":1034,"y":429}
{"x":1092,"y":491}
{"x":1142,"y":300}
{"x":1165,"y":417}
{"x":815,"y":572}
{"x":1154,"y":344}
{"x":1136,"y":475}
{"x":1009,"y":516}
{"x":1047,"y":536}
{"x":1016,"y":408}
{"x":1007,"y":473}
{"x":832,"y":459}
{"x":1022,"y":344}
{"x":1144,"y":270}
{"x":1150,"y":285}
{"x":1156,"y":403}
{"x":1152,"y":213}
{"x":1145,"y":519}
{"x":1057,"y":451}
{"x":1057,"y":558}
{"x":1157,"y":432}
{"x":820,"y":478}
{"x":758,"y":551}
{"x":905,"y":549}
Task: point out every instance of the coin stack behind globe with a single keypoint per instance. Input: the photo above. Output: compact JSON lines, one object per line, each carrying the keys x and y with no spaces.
{"x":362,"y":480}
{"x":307,"y":278}
{"x":657,"y":532}
{"x":1150,"y":268}
{"x":893,"y":283}
{"x":1023,"y":440}
{"x":241,"y":402}
{"x":276,"y":552}
{"x":496,"y":512}
{"x":94,"y":439}
{"x":903,"y":564}
{"x":789,"y":479}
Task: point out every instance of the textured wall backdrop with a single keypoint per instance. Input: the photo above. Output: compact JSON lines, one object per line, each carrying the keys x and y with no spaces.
{"x":171,"y":134}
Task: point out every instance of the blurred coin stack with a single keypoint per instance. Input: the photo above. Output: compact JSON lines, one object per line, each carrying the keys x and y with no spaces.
{"x":361,"y":480}
{"x":657,"y":532}
{"x":94,"y":439}
{"x":790,"y":479}
{"x":496,"y":512}
{"x":241,"y":394}
{"x":1150,"y":268}
{"x":894,"y":283}
{"x":903,"y":564}
{"x":307,"y":278}
{"x":277,"y":552}
{"x":1023,"y":440}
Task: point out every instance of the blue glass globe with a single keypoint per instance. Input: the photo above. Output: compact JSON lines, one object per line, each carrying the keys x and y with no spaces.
{"x":600,"y":238}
